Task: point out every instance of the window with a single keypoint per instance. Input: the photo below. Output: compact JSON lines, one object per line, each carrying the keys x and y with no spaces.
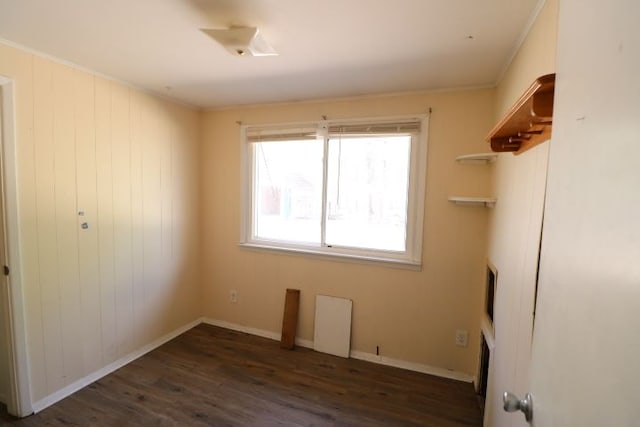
{"x":343,"y":188}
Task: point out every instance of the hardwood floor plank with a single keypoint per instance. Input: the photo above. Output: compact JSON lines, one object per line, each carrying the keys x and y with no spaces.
{"x":211,"y":376}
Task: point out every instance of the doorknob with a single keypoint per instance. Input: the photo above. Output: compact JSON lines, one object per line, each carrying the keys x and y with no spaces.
{"x":512,"y":404}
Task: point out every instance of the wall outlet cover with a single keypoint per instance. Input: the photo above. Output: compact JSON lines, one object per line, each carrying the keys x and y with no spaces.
{"x":462,"y":338}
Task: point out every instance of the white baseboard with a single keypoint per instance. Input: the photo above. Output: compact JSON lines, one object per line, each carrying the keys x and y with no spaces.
{"x":96,"y":375}
{"x":360,"y":355}
{"x":254,"y":331}
{"x":369,"y":357}
{"x":246,"y":329}
{"x":412,"y":366}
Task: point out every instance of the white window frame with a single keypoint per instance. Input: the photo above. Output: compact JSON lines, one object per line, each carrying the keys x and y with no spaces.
{"x":415,"y":205}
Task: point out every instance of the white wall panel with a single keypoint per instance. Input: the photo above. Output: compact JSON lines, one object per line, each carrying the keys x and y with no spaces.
{"x":152,"y":218}
{"x":332,"y":326}
{"x":47,"y":241}
{"x":514,"y":227}
{"x":123,"y":158}
{"x":66,"y":230}
{"x":87,"y":203}
{"x":137,"y":231}
{"x":21,"y":66}
{"x":122,"y":224}
{"x":104,"y":218}
{"x":586,"y":344}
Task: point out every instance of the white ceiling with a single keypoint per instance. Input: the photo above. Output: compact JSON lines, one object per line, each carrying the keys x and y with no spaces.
{"x":329,"y":48}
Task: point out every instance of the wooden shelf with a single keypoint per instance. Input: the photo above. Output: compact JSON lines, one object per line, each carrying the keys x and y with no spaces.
{"x":479,"y":158}
{"x":529,"y":121}
{"x":488,"y":202}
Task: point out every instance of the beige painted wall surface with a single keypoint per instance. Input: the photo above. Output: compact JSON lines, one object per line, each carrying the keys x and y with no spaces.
{"x":536,"y":57}
{"x":129,"y":162}
{"x":514,"y":226}
{"x":410,"y":315}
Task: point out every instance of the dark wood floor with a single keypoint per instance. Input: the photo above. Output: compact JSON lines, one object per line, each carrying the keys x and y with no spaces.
{"x":215,"y":377}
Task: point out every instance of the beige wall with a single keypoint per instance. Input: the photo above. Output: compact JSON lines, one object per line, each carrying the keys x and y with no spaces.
{"x":129,"y":161}
{"x":514,"y":226}
{"x":536,"y":57}
{"x":410,"y":315}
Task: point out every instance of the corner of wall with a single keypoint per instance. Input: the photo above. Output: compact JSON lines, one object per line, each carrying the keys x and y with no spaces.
{"x":535,"y":57}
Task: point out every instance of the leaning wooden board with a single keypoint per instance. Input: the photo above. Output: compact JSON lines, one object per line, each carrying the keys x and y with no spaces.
{"x":290,"y":319}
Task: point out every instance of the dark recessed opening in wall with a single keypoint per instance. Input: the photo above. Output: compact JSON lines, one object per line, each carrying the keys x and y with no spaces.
{"x":492,"y":277}
{"x":484,"y":371}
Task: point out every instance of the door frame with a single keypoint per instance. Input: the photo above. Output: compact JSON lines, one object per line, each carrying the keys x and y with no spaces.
{"x":19,"y":399}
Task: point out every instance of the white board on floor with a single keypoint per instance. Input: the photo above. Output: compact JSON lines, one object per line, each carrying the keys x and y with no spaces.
{"x":332,"y":331}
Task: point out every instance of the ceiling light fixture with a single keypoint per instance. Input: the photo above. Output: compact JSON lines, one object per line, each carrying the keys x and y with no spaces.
{"x":242,"y":41}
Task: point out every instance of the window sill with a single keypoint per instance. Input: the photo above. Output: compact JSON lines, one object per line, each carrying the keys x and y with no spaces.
{"x":348,"y":258}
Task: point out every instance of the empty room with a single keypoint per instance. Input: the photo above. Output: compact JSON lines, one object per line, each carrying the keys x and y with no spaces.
{"x":286,"y":212}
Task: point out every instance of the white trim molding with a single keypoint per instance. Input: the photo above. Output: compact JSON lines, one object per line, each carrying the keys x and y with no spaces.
{"x":354,"y":354}
{"x":254,"y":331}
{"x":413,"y":128}
{"x":95,"y":376}
{"x":19,"y":399}
{"x":412,"y":366}
{"x":526,"y":29}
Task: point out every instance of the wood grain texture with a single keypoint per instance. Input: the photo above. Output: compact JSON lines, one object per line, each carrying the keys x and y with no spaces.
{"x":528,"y":123}
{"x":211,"y":376}
{"x":290,"y":319}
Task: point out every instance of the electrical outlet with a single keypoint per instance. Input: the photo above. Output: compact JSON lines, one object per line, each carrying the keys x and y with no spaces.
{"x":462,"y":338}
{"x":233,"y":296}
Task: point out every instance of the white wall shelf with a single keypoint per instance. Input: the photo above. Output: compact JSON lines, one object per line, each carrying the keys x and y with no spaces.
{"x":488,"y":202}
{"x":478,"y":158}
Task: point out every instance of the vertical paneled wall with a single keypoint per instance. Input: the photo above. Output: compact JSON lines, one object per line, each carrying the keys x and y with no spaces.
{"x":93,"y":151}
{"x":515,"y":224}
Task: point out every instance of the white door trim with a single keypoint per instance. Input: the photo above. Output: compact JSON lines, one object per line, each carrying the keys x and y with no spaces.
{"x":19,"y":399}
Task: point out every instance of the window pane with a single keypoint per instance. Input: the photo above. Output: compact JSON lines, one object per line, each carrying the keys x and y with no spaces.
{"x":288,"y":190}
{"x":367,"y":192}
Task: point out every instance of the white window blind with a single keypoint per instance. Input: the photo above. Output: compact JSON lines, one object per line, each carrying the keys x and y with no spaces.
{"x":364,"y":129}
{"x":351,"y":188}
{"x":265,"y":134}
